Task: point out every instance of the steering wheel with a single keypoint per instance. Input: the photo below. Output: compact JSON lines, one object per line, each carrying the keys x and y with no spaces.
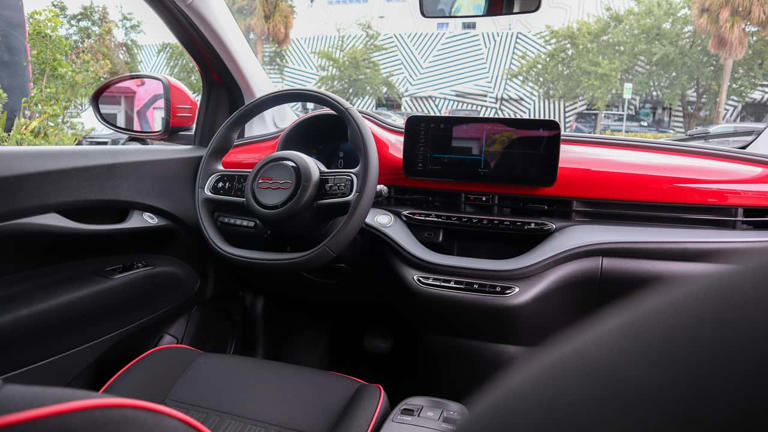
{"x":287,"y":190}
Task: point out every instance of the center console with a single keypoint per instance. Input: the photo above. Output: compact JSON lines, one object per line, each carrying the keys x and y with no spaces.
{"x":418,"y":413}
{"x":478,"y":150}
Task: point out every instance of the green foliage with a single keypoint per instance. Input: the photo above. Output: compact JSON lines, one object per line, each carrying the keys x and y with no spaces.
{"x":644,"y":135}
{"x":653,"y":45}
{"x":264,"y":22}
{"x":181,"y":66}
{"x":275,"y":60}
{"x":58,"y":84}
{"x":3,"y":114}
{"x":582,"y":62}
{"x":71,"y":54}
{"x":351,"y":70}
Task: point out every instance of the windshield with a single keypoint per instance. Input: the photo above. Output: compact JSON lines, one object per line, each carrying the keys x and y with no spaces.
{"x":639,"y":68}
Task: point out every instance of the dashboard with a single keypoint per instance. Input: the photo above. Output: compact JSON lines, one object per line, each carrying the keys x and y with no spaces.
{"x":590,"y":168}
{"x":522,"y":261}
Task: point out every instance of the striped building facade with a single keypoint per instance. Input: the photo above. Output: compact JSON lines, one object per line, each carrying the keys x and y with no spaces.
{"x":441,"y":71}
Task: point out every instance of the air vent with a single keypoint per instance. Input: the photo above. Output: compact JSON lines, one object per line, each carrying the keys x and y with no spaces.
{"x":584,"y":211}
{"x":606,"y":211}
{"x":755,"y":219}
{"x":426,"y":199}
{"x":534,"y":207}
{"x":481,"y":203}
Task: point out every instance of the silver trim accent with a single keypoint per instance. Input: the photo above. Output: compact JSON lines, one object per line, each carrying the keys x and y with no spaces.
{"x":221,"y":197}
{"x":407,"y":215}
{"x":565,"y":240}
{"x":384,"y":220}
{"x":149,"y":217}
{"x":419,"y":282}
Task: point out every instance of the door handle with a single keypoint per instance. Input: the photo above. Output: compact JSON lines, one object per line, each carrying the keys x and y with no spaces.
{"x":137,"y":220}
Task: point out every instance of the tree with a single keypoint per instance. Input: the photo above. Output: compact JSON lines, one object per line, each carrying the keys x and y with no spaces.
{"x":352,"y":71}
{"x":264,"y":21}
{"x":667,"y":61}
{"x":3,"y":113}
{"x":95,"y":34}
{"x":181,"y":66}
{"x":653,"y":45}
{"x":729,"y":24}
{"x":71,"y":54}
{"x":58,"y":83}
{"x":582,"y":61}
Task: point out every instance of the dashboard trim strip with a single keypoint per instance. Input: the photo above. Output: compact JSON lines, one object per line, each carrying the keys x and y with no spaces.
{"x":565,"y":240}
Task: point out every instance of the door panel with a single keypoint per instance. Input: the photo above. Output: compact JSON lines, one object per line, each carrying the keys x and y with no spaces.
{"x":48,"y":179}
{"x":53,"y":310}
{"x":97,"y":245}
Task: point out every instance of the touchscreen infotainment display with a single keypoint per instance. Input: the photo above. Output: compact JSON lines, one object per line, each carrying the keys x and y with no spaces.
{"x":493,"y":150}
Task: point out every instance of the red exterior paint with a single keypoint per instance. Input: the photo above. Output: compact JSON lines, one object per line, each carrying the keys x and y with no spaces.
{"x":589,"y":171}
{"x":183,"y":105}
{"x":71,"y":407}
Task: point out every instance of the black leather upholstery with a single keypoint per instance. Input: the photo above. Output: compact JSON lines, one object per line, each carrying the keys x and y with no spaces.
{"x":226,"y":392}
{"x":180,"y":389}
{"x":689,"y":355}
{"x":39,"y":408}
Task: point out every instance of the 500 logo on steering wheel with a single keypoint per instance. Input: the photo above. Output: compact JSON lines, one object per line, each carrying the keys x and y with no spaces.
{"x":270,"y":183}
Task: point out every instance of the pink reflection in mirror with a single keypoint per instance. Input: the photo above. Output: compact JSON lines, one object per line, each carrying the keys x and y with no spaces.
{"x":136,"y":104}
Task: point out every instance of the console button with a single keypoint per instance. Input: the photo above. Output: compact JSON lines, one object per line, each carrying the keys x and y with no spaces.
{"x":431,"y":413}
{"x":478,"y":198}
{"x":383,"y":219}
{"x":410,"y":411}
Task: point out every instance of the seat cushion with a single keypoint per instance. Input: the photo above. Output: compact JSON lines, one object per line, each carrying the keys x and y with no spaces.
{"x":226,"y":392}
{"x":26,"y":408}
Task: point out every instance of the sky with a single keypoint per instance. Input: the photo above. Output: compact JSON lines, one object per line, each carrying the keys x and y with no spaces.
{"x":155,"y":30}
{"x":319,"y":17}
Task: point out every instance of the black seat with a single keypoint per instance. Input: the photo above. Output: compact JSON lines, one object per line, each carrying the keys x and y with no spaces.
{"x":232,"y":393}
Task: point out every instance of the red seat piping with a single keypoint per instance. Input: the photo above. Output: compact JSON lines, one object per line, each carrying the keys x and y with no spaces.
{"x":141,"y":357}
{"x":71,"y":407}
{"x":378,"y":406}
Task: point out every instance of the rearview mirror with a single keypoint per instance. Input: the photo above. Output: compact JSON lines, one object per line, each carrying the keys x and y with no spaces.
{"x":145,"y":106}
{"x":476,"y":8}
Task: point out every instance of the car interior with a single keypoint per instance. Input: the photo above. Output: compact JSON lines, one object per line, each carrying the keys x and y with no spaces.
{"x":348,"y":274}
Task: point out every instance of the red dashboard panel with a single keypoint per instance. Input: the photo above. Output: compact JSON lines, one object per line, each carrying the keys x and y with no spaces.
{"x":589,"y":171}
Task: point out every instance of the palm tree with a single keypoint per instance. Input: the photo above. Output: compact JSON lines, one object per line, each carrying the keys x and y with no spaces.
{"x":729,"y":24}
{"x":264,"y":21}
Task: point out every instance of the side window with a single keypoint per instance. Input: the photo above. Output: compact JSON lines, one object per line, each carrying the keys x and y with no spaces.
{"x":55,"y":53}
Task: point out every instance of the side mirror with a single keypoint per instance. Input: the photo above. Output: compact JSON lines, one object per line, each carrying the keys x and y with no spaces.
{"x":145,"y":106}
{"x":476,"y":8}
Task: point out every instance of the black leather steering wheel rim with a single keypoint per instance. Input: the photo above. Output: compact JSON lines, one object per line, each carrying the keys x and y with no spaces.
{"x":360,"y":138}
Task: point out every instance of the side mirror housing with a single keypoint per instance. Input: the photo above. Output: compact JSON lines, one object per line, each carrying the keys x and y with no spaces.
{"x":145,"y":105}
